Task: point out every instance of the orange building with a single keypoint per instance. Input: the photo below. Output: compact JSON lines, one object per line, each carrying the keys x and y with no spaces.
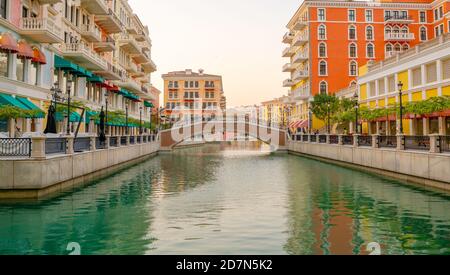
{"x":193,"y":95}
{"x":329,"y":40}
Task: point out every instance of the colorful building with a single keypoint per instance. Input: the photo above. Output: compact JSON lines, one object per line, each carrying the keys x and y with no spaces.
{"x":329,"y":40}
{"x":277,"y":112}
{"x":99,"y":45}
{"x":424,"y":72}
{"x":193,"y":95}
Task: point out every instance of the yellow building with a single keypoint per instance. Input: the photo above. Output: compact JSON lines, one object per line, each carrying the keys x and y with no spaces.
{"x":277,"y":112}
{"x":424,"y":72}
{"x":195,"y":95}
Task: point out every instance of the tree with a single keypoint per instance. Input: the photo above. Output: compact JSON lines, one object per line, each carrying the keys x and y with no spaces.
{"x":325,"y":107}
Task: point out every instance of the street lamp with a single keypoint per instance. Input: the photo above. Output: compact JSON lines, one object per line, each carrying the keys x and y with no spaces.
{"x":126,"y":117}
{"x":356,"y":99}
{"x":69,"y":89}
{"x":140,"y":120}
{"x":106,"y":116}
{"x":400,"y":90}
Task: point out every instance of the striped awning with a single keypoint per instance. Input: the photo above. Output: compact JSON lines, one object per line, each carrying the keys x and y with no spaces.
{"x":25,"y":50}
{"x":21,"y":103}
{"x":299,"y":124}
{"x":8,"y":43}
{"x":38,"y":56}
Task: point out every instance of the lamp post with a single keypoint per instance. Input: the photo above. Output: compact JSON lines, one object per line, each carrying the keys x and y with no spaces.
{"x":106,"y":115}
{"x":356,"y":99}
{"x":69,"y":89}
{"x":400,"y":90}
{"x":126,"y":117}
{"x":56,"y":93}
{"x":140,"y":120}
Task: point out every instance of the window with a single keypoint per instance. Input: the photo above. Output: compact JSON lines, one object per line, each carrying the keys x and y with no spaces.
{"x":322,"y":50}
{"x":186,"y":84}
{"x":405,"y":47}
{"x":370,"y":50}
{"x":423,"y":34}
{"x":369,"y":16}
{"x":4,"y":60}
{"x":423,"y":17}
{"x":446,"y":69}
{"x":4,"y":8}
{"x":33,"y":73}
{"x":20,"y":69}
{"x":321,"y":16}
{"x":387,"y":30}
{"x":369,"y":33}
{"x":323,"y":68}
{"x":389,"y":49}
{"x":439,"y":30}
{"x":431,"y":73}
{"x":322,"y":32}
{"x":352,"y":15}
{"x":398,"y":48}
{"x":352,"y":52}
{"x":353,"y":68}
{"x":323,"y":88}
{"x":438,"y":13}
{"x":352,"y":32}
{"x":417,"y":77}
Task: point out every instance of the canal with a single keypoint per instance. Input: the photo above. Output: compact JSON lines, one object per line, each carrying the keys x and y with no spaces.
{"x":220,"y":199}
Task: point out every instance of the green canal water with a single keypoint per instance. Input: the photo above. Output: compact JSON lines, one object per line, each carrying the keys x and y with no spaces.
{"x":225,"y":200}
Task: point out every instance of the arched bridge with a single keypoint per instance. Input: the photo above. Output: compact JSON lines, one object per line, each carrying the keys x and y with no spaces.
{"x":273,"y":136}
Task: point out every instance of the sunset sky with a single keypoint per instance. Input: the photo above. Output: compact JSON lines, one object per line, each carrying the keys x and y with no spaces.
{"x":238,"y":39}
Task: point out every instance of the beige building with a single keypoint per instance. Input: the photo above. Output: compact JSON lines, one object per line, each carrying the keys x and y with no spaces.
{"x":191,"y":94}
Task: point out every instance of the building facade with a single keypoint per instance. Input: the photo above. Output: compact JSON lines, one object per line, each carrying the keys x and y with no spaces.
{"x":424,"y":73}
{"x":100,"y":46}
{"x":329,"y":40}
{"x":193,"y":95}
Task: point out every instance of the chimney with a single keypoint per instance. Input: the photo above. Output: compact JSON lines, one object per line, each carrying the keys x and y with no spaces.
{"x":188,"y":71}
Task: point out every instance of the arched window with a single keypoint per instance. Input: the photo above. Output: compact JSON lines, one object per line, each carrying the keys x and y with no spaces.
{"x":352,"y":50}
{"x":322,"y":49}
{"x":323,"y":70}
{"x":389,"y":49}
{"x":369,"y":33}
{"x":398,"y":47}
{"x":352,"y":84}
{"x":352,"y":32}
{"x":322,"y":32}
{"x":396,"y":29}
{"x":423,"y":34}
{"x":370,"y":50}
{"x":387,"y":30}
{"x":405,"y":47}
{"x":405,"y":29}
{"x":353,"y":68}
{"x":323,"y":88}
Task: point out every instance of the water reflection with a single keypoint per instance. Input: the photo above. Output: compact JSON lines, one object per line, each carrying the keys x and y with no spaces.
{"x":222,"y":199}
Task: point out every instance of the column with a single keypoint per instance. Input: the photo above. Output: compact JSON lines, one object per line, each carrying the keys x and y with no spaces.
{"x":93,"y":143}
{"x":375,"y":141}
{"x":434,"y":144}
{"x":442,"y":130}
{"x":400,"y":142}
{"x":70,"y":140}
{"x":378,"y":128}
{"x":426,"y":126}
{"x":26,"y":70}
{"x":12,"y":127}
{"x":12,"y":64}
{"x":38,"y":147}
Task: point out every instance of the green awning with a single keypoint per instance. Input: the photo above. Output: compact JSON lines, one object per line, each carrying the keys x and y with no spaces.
{"x":96,"y":79}
{"x":90,"y":114}
{"x":149,"y":104}
{"x":31,"y":106}
{"x":74,"y":116}
{"x":128,"y":94}
{"x":66,"y":65}
{"x":11,"y":101}
{"x":82,"y":72}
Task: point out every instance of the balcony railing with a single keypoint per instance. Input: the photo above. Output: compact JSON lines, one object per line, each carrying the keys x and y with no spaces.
{"x":301,"y":74}
{"x":398,"y":19}
{"x":55,"y":146}
{"x":301,"y":39}
{"x":287,"y":67}
{"x":15,"y":147}
{"x":399,"y":36}
{"x":300,"y":57}
{"x":365,"y":141}
{"x":444,"y":144}
{"x":347,"y":140}
{"x":287,"y":38}
{"x":78,"y":50}
{"x":301,"y":93}
{"x":43,"y":30}
{"x":82,"y":144}
{"x":288,"y":83}
{"x":387,"y":141}
{"x":288,"y":52}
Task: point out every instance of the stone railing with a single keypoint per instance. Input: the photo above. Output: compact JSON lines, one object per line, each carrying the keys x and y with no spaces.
{"x":43,"y":147}
{"x":431,"y":143}
{"x":40,"y":24}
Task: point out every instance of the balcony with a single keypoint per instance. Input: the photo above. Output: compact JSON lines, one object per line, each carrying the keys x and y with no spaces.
{"x":288,"y":83}
{"x":50,"y":2}
{"x":301,"y":39}
{"x":300,"y":57}
{"x":140,"y":73}
{"x":129,"y":45}
{"x":97,"y":7}
{"x":399,"y":36}
{"x":42,"y":30}
{"x":288,"y":52}
{"x":131,"y":28}
{"x":130,"y":84}
{"x":288,"y":37}
{"x":130,"y":67}
{"x":109,"y":23}
{"x":90,"y":33}
{"x":149,"y":67}
{"x":106,"y":44}
{"x":300,"y":75}
{"x":398,"y":20}
{"x":111,"y":72}
{"x":145,"y":46}
{"x":301,"y":93}
{"x":288,"y":67}
{"x":300,"y":25}
{"x":141,"y":58}
{"x":84,"y":56}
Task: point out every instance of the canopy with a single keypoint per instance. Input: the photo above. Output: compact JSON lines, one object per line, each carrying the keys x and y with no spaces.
{"x":8,"y":43}
{"x":299,"y":124}
{"x":89,"y":115}
{"x":66,"y":65}
{"x":25,"y":50}
{"x":31,"y":106}
{"x":129,"y":95}
{"x":74,"y":116}
{"x":38,"y":56}
{"x":96,"y":79}
{"x":149,"y":104}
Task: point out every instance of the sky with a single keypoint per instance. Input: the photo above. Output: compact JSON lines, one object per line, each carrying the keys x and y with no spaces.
{"x":238,"y":39}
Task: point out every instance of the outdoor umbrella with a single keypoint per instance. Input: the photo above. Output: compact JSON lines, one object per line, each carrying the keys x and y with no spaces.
{"x":51,"y":121}
{"x":102,"y":126}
